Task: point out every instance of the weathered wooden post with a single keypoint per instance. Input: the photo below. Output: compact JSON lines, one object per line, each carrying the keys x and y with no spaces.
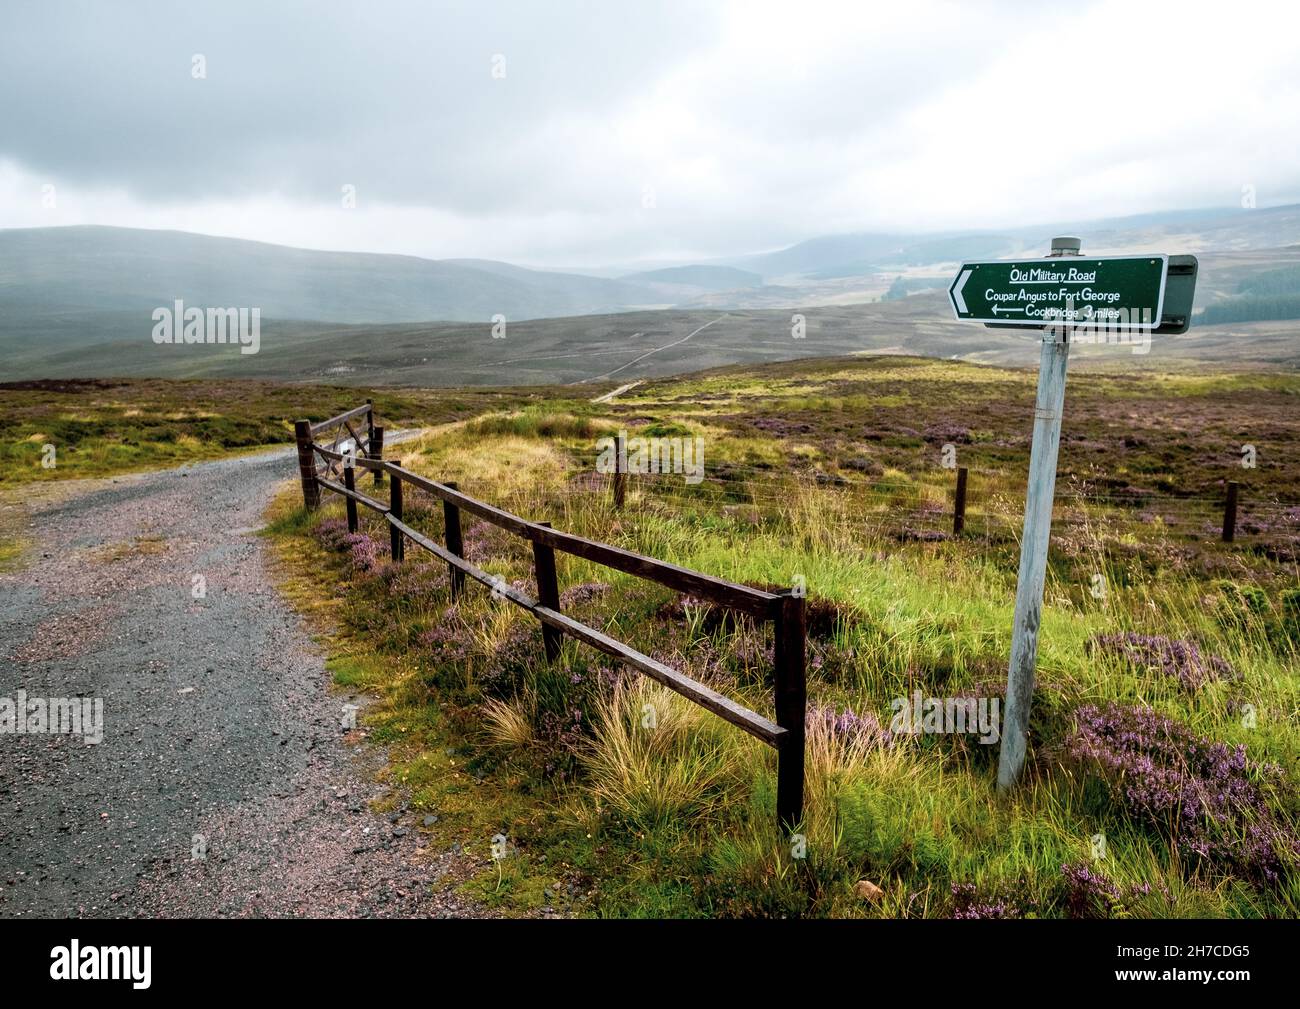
{"x":396,"y":542}
{"x":451,"y":524}
{"x":349,"y":481}
{"x":377,"y":452}
{"x":1111,"y":300}
{"x":1230,"y":513}
{"x":959,"y":505}
{"x":789,"y":640}
{"x":620,"y":471}
{"x":307,"y":465}
{"x":1039,"y":496}
{"x":548,"y":593}
{"x":370,"y":422}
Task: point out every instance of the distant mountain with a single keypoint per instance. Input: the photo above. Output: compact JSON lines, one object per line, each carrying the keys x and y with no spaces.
{"x":708,"y":278}
{"x":78,"y":301}
{"x":56,"y":271}
{"x":822,"y":254}
{"x":577,"y":288}
{"x":626,"y":346}
{"x":1185,"y":231}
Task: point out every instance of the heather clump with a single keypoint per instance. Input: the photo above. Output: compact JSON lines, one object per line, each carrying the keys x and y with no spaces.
{"x":1178,"y":659}
{"x":364,"y":552}
{"x":450,"y":641}
{"x":1208,"y":799}
{"x":415,"y":584}
{"x":970,"y":903}
{"x":945,"y":432}
{"x":1089,"y":893}
{"x":483,"y":541}
{"x":506,"y":667}
{"x":331,"y":533}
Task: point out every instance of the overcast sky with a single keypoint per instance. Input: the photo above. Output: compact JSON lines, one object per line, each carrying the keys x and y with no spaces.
{"x":567,"y":134}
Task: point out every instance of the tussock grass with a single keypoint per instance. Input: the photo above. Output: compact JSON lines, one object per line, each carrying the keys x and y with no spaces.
{"x":657,"y":759}
{"x":678,"y":820}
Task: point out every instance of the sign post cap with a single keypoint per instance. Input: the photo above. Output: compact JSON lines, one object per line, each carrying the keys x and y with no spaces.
{"x":1066,"y":246}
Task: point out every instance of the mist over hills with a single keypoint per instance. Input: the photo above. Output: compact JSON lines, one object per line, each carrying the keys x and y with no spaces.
{"x":124,"y":268}
{"x":77,"y":301}
{"x":1186,"y":231}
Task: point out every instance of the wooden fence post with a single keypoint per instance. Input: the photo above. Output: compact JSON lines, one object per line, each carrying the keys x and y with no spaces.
{"x":370,"y":423}
{"x":790,"y":632}
{"x":377,"y":453}
{"x":959,"y":506}
{"x":620,"y":473}
{"x":307,"y":465}
{"x":396,"y":544}
{"x":349,"y":481}
{"x":548,"y":593}
{"x":1230,"y":513}
{"x":451,"y":521}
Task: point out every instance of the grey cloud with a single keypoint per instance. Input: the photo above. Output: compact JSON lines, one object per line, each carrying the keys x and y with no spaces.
{"x":396,"y":98}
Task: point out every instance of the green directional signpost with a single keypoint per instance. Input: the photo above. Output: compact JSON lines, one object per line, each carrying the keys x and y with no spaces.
{"x":1114,"y":292}
{"x":1068,"y":297}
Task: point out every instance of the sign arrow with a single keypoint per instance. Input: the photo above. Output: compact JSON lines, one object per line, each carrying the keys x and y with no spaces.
{"x":999,"y":309}
{"x":957,"y":288}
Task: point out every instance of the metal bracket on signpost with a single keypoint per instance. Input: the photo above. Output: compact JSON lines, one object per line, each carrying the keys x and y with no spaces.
{"x":1039,"y":496}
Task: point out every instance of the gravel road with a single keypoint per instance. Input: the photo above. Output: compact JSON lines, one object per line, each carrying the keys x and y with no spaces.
{"x":217,"y":722}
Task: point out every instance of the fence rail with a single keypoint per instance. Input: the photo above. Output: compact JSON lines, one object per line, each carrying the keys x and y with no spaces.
{"x":784,"y":610}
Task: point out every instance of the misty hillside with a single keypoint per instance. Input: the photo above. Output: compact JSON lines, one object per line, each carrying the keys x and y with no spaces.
{"x":713,"y":278}
{"x":77,"y":301}
{"x":621,"y":347}
{"x":1191,"y":231}
{"x":57,"y":270}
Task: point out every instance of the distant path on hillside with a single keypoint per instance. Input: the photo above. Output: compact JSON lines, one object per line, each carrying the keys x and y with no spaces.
{"x":656,"y":350}
{"x":218,"y":721}
{"x":614,"y":393}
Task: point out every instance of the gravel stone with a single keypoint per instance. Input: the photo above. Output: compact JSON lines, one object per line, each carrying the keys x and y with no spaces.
{"x":219,"y":724}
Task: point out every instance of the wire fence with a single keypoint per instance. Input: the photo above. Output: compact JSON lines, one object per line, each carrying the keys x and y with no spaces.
{"x":925,"y":509}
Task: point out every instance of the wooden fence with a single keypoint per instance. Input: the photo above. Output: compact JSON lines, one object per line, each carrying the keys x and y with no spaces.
{"x":784,"y":610}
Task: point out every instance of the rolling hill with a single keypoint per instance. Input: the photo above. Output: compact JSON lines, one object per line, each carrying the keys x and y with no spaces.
{"x":1188,"y":231}
{"x":77,"y":302}
{"x":54,"y":270}
{"x":626,"y":346}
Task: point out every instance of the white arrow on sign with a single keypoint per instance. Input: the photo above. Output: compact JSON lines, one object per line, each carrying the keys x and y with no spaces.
{"x":1004,"y":311}
{"x":956,"y":291}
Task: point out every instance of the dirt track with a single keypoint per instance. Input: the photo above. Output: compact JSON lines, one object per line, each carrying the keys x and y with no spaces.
{"x":217,"y":722}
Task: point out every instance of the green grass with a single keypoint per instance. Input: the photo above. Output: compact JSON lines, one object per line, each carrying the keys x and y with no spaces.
{"x":73,"y":429}
{"x":11,"y":553}
{"x":678,"y":820}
